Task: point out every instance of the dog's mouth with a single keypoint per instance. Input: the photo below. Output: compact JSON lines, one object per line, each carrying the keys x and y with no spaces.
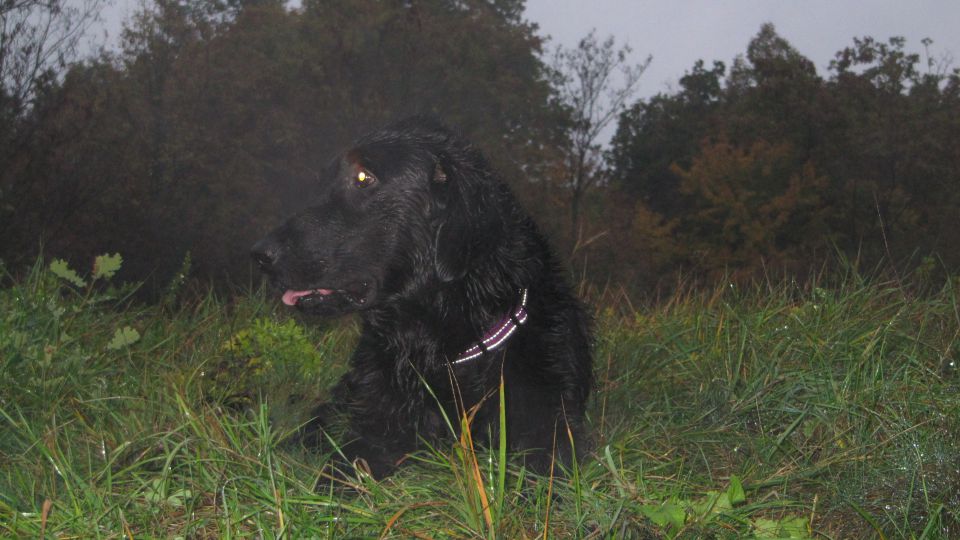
{"x":292,"y":297}
{"x":355,"y":294}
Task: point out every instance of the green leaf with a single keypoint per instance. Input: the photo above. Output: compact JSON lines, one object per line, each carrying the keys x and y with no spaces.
{"x":665,"y":514}
{"x":723,"y":504}
{"x":790,"y":527}
{"x":706,"y":505}
{"x":123,"y":337}
{"x":766,"y":528}
{"x":105,"y":266}
{"x":735,"y":491}
{"x":62,"y":270}
{"x":153,"y":491}
{"x":178,"y":498}
{"x":795,"y":527}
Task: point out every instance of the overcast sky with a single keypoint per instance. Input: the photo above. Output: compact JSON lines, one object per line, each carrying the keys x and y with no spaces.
{"x":679,"y":32}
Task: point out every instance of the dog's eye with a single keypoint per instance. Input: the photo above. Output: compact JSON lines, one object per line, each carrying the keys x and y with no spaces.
{"x":364,"y":179}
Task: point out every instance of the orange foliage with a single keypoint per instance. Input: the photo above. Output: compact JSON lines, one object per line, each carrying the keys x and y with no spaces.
{"x":748,"y":204}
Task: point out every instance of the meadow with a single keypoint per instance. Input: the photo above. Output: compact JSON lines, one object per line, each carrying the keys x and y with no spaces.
{"x":828,"y":409}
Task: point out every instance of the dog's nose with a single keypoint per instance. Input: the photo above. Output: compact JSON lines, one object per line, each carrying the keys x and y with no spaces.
{"x":265,"y":253}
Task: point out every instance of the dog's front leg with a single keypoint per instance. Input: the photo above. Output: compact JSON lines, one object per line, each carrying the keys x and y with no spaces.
{"x":379,"y":432}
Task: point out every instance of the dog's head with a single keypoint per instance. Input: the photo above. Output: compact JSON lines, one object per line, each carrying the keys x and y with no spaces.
{"x":410,"y":206}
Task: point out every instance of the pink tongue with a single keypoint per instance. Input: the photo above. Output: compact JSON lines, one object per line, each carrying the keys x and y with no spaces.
{"x":290,"y":297}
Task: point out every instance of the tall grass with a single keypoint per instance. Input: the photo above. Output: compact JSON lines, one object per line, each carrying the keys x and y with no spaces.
{"x":776,"y":411}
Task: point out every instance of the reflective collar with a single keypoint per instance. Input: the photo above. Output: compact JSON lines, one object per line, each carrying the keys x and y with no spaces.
{"x":499,"y":334}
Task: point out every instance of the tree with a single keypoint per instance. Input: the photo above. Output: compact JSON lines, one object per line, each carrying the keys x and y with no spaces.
{"x":775,"y":162}
{"x":895,"y":149}
{"x":37,"y":40}
{"x":749,"y":206}
{"x":216,"y":118}
{"x":586,"y":86}
{"x":653,"y":134}
{"x":775,"y":94}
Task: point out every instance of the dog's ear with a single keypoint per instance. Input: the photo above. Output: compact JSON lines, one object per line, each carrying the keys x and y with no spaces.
{"x":453,"y":230}
{"x":464,"y":218}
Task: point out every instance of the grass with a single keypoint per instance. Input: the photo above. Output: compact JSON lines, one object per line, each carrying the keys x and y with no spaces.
{"x":777,"y":411}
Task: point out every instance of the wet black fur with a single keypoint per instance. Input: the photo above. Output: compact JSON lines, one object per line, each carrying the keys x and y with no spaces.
{"x":432,"y":255}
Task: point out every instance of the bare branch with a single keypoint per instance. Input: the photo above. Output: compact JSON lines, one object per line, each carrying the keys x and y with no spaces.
{"x":39,"y":37}
{"x":594,"y":82}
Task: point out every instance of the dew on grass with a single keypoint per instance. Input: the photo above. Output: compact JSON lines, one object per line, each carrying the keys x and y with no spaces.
{"x":949,"y":368}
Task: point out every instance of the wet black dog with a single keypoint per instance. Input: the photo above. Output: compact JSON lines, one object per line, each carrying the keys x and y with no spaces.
{"x":455,"y":287}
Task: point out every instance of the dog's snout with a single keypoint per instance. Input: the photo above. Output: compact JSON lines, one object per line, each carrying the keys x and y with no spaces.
{"x":265,"y":253}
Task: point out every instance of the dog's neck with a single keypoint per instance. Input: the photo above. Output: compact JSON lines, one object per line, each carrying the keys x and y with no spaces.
{"x":466,"y":316}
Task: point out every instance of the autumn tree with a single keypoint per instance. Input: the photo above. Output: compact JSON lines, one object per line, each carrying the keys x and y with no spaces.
{"x":773,"y":162}
{"x":655,"y":133}
{"x":749,"y":206}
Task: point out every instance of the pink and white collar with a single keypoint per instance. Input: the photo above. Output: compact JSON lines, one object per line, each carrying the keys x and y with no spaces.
{"x":499,"y":334}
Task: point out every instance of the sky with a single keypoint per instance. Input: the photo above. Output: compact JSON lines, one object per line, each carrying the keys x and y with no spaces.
{"x":679,"y":32}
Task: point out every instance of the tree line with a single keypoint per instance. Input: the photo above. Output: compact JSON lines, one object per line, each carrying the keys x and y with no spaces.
{"x":770,"y":165}
{"x":214,"y":118}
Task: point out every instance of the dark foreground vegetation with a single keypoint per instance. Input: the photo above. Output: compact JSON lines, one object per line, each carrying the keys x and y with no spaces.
{"x":828,"y":410}
{"x":213,"y":119}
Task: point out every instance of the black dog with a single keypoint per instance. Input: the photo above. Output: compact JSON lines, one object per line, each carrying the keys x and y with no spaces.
{"x":455,"y":287}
